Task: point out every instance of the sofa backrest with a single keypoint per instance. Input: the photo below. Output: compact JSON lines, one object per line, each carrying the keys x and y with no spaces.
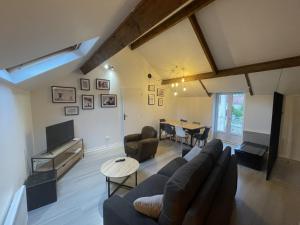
{"x":148,"y":132}
{"x":201,"y":204}
{"x":182,"y":187}
{"x":213,"y":149}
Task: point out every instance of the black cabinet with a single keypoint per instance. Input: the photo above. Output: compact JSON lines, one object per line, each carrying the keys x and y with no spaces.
{"x":41,"y":189}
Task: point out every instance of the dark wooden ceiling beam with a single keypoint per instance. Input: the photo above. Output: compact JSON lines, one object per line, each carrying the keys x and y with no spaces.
{"x":171,"y":21}
{"x":253,"y":68}
{"x":203,"y":43}
{"x":205,"y":89}
{"x":249,"y":84}
{"x":146,"y":15}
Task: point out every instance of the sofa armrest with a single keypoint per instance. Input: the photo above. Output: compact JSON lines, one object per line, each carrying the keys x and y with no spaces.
{"x":118,"y":211}
{"x":132,"y":137}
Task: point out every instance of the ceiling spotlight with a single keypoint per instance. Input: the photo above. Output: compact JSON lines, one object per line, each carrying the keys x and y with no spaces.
{"x":184,"y":89}
{"x":176,"y":84}
{"x":175,"y":93}
{"x":172,"y":85}
{"x":106,"y":66}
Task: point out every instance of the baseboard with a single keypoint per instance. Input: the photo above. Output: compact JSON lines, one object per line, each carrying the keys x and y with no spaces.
{"x":104,"y":148}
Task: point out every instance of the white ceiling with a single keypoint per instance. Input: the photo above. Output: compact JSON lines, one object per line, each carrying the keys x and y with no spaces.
{"x":31,"y":28}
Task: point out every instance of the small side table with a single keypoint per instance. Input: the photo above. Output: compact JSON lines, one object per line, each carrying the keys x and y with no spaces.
{"x":41,"y":189}
{"x":112,"y":169}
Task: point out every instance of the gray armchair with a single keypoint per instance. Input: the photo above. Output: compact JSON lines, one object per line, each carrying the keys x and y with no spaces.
{"x":141,"y":146}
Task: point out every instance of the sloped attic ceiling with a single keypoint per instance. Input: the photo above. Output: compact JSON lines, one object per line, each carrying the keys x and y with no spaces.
{"x":238,"y":32}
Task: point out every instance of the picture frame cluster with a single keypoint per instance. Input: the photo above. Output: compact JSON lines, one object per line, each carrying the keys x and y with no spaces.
{"x":160,"y":93}
{"x":66,"y":95}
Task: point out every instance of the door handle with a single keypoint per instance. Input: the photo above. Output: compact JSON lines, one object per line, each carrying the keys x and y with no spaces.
{"x":125,"y":116}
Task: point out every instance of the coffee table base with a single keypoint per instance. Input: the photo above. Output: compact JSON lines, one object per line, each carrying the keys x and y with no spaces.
{"x":119,"y":185}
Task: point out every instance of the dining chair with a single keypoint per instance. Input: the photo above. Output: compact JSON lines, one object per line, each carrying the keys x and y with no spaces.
{"x":180,"y":133}
{"x":202,"y":137}
{"x":169,"y":130}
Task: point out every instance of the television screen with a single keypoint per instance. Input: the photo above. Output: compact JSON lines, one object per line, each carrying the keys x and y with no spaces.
{"x":59,"y":134}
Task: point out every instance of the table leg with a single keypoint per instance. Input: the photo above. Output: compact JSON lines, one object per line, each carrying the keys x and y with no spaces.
{"x":159,"y":131}
{"x":192,"y":137}
{"x":136,"y":178}
{"x":108,"y":186}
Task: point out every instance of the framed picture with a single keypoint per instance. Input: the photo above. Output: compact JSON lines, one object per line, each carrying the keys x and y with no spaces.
{"x":102,"y":84}
{"x":85,"y":84}
{"x":87,"y":102}
{"x":151,"y":87}
{"x":160,"y":92}
{"x":160,"y":101}
{"x":63,"y":94}
{"x":71,"y":110}
{"x":108,"y":100}
{"x":151,"y":99}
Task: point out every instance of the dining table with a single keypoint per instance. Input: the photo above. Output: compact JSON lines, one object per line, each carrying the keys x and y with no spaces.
{"x":191,"y":128}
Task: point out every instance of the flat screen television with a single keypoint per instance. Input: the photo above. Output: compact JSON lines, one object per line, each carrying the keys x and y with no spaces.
{"x":59,"y":134}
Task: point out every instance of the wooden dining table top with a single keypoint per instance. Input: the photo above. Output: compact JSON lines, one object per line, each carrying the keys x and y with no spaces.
{"x":184,"y":125}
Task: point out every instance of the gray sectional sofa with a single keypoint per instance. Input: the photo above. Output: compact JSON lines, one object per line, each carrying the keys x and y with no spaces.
{"x":198,"y":192}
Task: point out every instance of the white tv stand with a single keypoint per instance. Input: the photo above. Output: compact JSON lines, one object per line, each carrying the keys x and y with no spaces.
{"x":60,"y":159}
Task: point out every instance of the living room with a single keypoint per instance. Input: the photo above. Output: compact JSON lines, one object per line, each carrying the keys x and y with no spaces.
{"x":196,"y":65}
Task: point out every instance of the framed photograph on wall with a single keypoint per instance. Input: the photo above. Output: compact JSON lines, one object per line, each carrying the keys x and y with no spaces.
{"x":160,"y":101}
{"x":85,"y":84}
{"x":108,"y":101}
{"x":63,"y":94}
{"x":87,"y":102}
{"x":151,"y":87}
{"x":151,"y":99}
{"x":71,"y":110}
{"x":102,"y":84}
{"x":160,"y":92}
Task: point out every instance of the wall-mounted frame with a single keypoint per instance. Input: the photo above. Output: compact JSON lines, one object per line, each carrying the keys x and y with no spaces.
{"x":87,"y":102}
{"x":151,"y":87}
{"x":63,"y":94}
{"x":108,"y":100}
{"x":160,"y":92}
{"x":151,"y":99}
{"x":71,"y":110}
{"x":102,"y":84}
{"x":160,"y":101}
{"x":85,"y":84}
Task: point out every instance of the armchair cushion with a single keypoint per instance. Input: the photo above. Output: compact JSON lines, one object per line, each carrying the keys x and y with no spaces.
{"x":132,"y":147}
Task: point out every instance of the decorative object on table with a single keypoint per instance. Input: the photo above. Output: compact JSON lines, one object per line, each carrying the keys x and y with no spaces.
{"x":71,"y":110}
{"x":151,"y":87}
{"x":151,"y":99}
{"x":108,"y":100}
{"x":63,"y":94}
{"x":160,"y":92}
{"x":160,"y":101}
{"x":85,"y":84}
{"x":87,"y":102}
{"x":102,"y":84}
{"x":141,"y":146}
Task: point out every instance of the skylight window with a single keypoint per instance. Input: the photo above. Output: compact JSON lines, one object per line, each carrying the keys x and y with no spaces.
{"x":42,"y":58}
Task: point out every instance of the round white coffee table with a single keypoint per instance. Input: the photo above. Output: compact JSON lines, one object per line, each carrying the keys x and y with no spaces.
{"x":114,"y":169}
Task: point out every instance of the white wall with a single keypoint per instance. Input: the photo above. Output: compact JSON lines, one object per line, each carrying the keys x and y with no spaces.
{"x":258,"y":113}
{"x":95,"y":125}
{"x":289,"y":145}
{"x":15,"y":143}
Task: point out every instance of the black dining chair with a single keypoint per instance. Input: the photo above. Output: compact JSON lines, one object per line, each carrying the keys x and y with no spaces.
{"x":202,"y":137}
{"x":169,"y":130}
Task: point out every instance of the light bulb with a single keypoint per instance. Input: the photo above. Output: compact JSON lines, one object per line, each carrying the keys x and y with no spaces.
{"x":176,"y":84}
{"x":184,"y":89}
{"x":172,"y":85}
{"x":175,"y":93}
{"x":182,"y":80}
{"x":106,"y":66}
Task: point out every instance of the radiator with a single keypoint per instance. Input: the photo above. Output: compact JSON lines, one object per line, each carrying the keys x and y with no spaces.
{"x":17,"y":213}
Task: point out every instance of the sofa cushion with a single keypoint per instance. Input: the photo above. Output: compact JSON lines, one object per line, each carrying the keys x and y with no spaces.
{"x":224,"y":158}
{"x":213,"y":149}
{"x":182,"y":187}
{"x":192,"y":153}
{"x":169,"y":169}
{"x":153,"y":185}
{"x":149,"y":206}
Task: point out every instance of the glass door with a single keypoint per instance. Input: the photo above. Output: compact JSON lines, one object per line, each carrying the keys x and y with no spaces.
{"x":230,"y":117}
